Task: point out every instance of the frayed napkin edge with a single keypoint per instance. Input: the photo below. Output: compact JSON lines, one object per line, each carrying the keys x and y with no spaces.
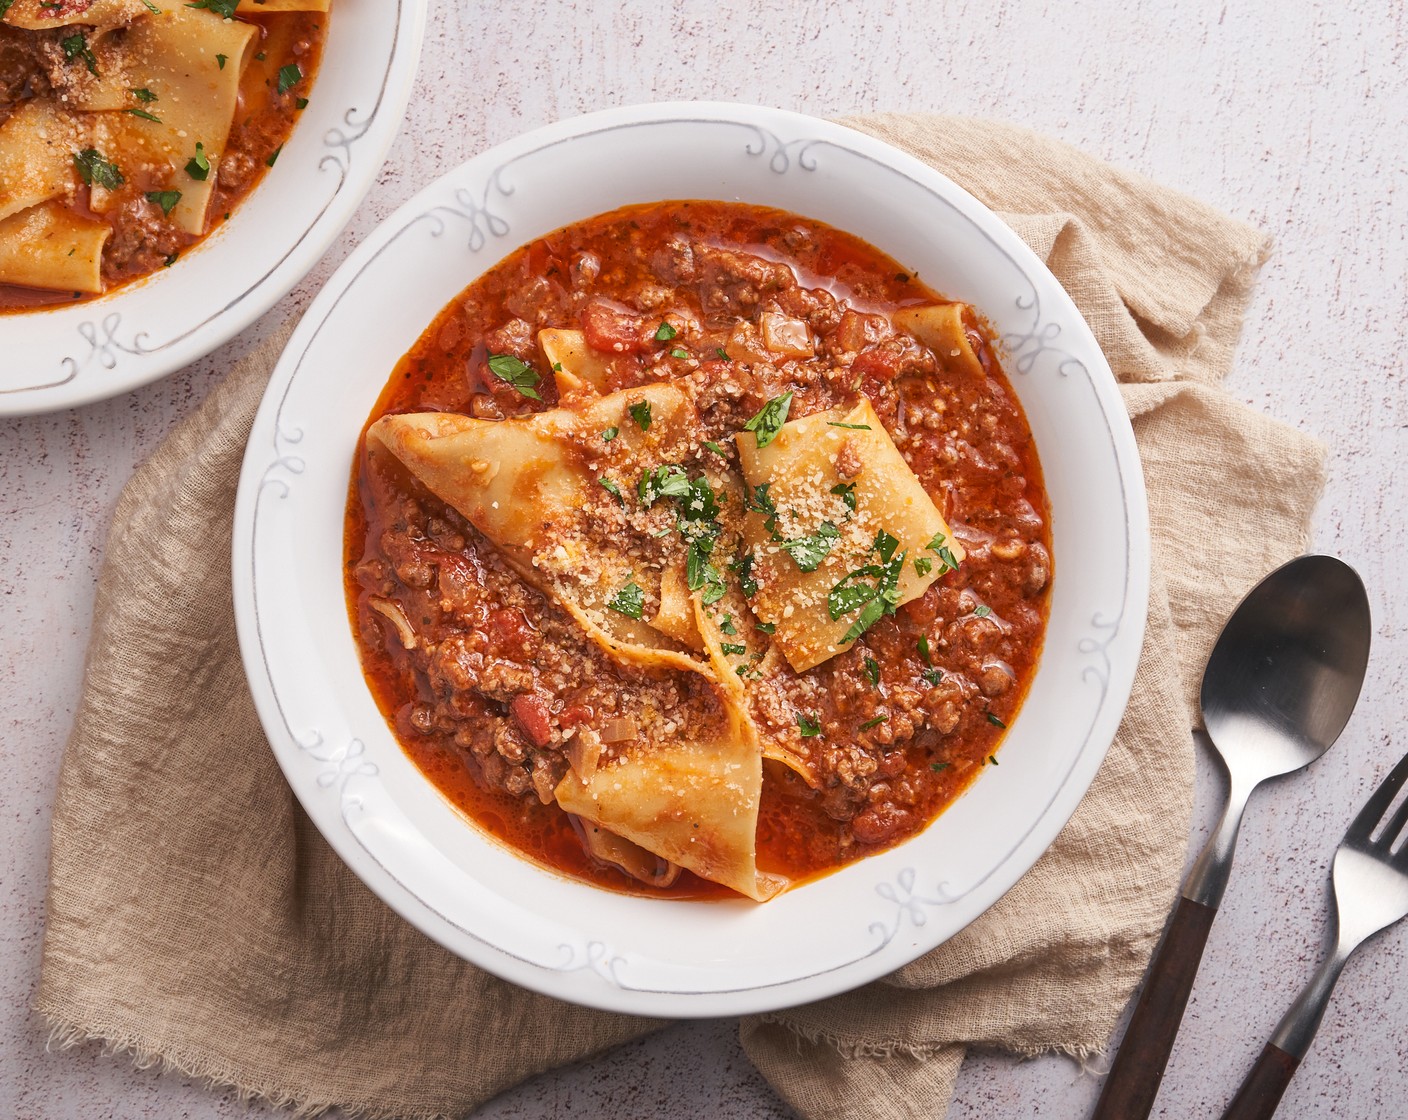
{"x":1091,"y":1059}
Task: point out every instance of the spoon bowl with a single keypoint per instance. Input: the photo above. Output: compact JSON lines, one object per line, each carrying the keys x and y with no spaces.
{"x":1285,"y":674}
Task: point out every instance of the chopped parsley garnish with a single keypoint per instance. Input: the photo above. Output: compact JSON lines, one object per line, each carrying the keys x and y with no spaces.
{"x":846,"y":491}
{"x":851,"y":592}
{"x":876,"y":722}
{"x":885,"y":545}
{"x":733,"y":648}
{"x":614,"y":490}
{"x":167,"y":200}
{"x":873,"y":588}
{"x":936,"y":767}
{"x":144,"y":95}
{"x":222,"y":59}
{"x":301,"y":103}
{"x":665,"y":332}
{"x":629,"y":601}
{"x":715,"y":448}
{"x":722,"y":353}
{"x":923,"y":566}
{"x":872,"y":671}
{"x":640,"y":413}
{"x":853,"y":427}
{"x":289,"y":76}
{"x":992,"y":757}
{"x":762,"y":503}
{"x":766,"y":627}
{"x":982,"y":612}
{"x":273,"y":156}
{"x":76,"y":46}
{"x":95,"y":169}
{"x":225,"y":9}
{"x":992,"y":719}
{"x":198,"y":166}
{"x":152,"y":7}
{"x":924,"y":649}
{"x":933,"y":676}
{"x":677,"y":352}
{"x":170,"y":260}
{"x":810,"y":726}
{"x":146,"y":116}
{"x":515,"y":372}
{"x":936,"y":545}
{"x":662,"y":482}
{"x":697,"y":511}
{"x":727,"y":626}
{"x":770,"y":419}
{"x":557,"y":367}
{"x":742,"y":567}
{"x":701,"y":575}
{"x":811,"y":550}
{"x":610,"y":433}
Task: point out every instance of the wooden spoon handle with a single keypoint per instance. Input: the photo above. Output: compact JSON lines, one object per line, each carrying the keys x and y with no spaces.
{"x":1134,"y":1079}
{"x":1262,"y":1090}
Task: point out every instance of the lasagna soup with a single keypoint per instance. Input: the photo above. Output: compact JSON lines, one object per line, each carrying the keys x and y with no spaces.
{"x":699,"y":549}
{"x":128,"y":128}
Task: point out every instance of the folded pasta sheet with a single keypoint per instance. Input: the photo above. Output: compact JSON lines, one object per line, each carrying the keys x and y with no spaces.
{"x":692,"y":801}
{"x":173,"y":56}
{"x":840,"y":531}
{"x":549,"y":489}
{"x":51,"y":247}
{"x":37,"y":144}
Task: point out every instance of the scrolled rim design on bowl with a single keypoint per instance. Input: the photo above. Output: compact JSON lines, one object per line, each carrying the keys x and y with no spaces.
{"x":106,"y":342}
{"x":590,"y":961}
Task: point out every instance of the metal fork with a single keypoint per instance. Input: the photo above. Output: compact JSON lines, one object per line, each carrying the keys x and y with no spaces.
{"x":1371,"y":893}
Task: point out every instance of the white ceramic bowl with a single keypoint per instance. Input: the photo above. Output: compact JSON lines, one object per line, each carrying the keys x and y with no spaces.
{"x":68,"y":356}
{"x":476,"y":897}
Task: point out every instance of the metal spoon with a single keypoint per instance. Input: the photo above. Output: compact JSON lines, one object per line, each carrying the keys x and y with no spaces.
{"x":1278,"y":689}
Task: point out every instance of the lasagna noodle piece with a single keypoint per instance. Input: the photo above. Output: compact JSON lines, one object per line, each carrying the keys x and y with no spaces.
{"x":800,"y":468}
{"x":527,"y":486}
{"x":175,"y":56}
{"x":49,"y":246}
{"x":33,"y":15}
{"x":574,"y":364}
{"x":37,"y":146}
{"x":690,"y":799}
{"x":941,"y":327}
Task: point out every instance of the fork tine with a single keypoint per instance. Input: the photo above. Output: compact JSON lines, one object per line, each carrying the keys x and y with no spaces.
{"x":1395,"y":826}
{"x":1377,"y":805}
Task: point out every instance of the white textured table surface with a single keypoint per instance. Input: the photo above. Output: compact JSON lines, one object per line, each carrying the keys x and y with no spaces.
{"x":1293,"y":116}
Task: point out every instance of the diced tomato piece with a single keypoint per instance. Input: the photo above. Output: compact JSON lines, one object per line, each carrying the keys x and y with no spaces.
{"x":510,"y":632}
{"x":879,"y":362}
{"x":615,"y":330}
{"x":533,"y":717}
{"x":575,"y":715}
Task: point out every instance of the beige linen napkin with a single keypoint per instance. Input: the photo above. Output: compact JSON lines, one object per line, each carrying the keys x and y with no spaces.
{"x":197,"y":920}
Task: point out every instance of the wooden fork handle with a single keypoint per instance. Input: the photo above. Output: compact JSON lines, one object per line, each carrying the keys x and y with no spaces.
{"x":1262,"y":1090}
{"x":1138,"y":1070}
